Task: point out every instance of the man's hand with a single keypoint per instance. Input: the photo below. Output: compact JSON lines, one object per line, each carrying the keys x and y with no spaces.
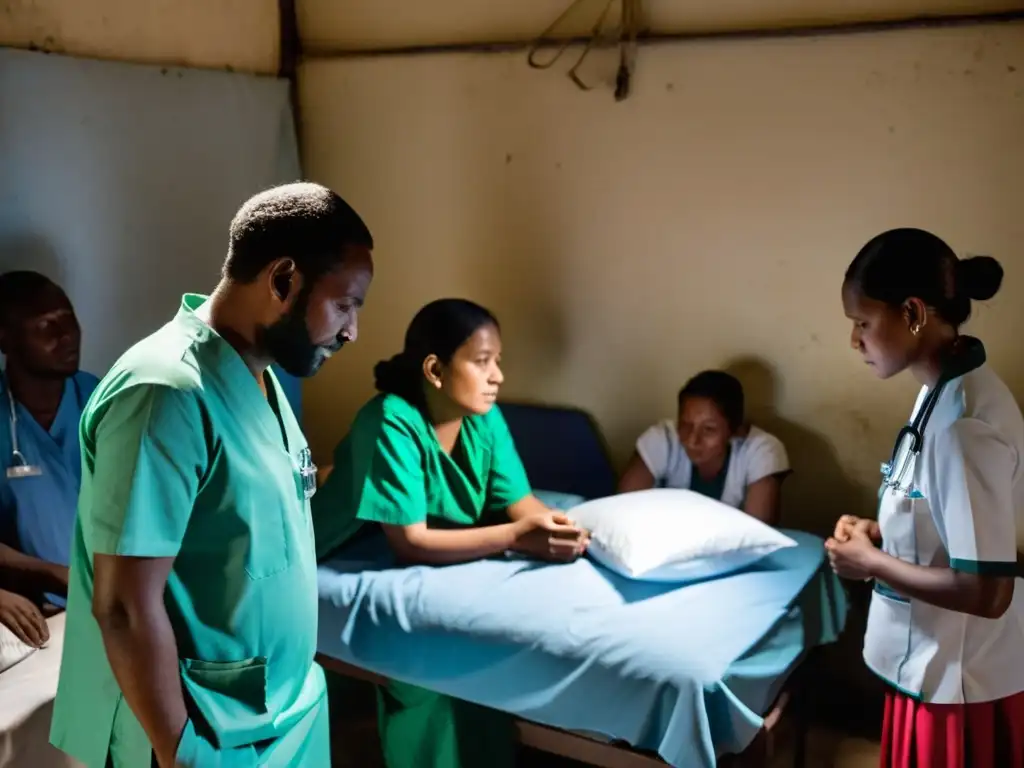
{"x":24,"y":619}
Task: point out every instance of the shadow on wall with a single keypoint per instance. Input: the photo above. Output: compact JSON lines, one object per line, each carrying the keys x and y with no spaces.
{"x":30,"y":251}
{"x":819,"y":491}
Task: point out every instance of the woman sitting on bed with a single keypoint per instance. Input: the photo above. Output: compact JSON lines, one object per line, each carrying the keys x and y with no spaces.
{"x":711,"y":450}
{"x":431,"y":459}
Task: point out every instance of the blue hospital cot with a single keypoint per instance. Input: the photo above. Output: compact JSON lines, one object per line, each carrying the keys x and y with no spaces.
{"x":685,"y":672}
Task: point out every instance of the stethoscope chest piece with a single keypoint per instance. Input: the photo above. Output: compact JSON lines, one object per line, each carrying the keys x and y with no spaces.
{"x":21,"y":468}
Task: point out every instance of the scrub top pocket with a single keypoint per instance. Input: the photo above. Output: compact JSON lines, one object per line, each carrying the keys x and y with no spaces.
{"x":232,"y":699}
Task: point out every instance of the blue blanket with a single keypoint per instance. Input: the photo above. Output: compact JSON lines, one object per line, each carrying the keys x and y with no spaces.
{"x":684,"y":672}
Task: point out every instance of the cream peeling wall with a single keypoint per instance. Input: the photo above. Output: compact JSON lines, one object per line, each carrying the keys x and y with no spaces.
{"x":213,"y":34}
{"x":705,"y":222}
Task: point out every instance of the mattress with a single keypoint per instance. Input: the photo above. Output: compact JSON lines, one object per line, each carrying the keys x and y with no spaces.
{"x":686,"y":672}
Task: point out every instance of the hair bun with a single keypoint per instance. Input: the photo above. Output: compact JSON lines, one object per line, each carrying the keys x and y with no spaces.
{"x":395,"y":376}
{"x":979,"y":277}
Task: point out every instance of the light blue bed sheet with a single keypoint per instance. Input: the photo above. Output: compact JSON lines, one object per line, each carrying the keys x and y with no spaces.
{"x":685,"y":672}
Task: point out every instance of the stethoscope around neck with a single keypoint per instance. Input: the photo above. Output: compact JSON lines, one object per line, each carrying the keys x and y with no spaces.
{"x":910,"y":442}
{"x":970,"y":354}
{"x":20,"y":466}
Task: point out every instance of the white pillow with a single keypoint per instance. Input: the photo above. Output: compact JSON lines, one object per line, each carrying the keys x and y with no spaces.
{"x":12,"y":650}
{"x":668,"y":534}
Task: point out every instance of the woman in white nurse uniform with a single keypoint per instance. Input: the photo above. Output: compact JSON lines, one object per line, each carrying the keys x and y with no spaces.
{"x":945,"y":628}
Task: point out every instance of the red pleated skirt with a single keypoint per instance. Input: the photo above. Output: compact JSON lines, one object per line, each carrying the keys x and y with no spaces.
{"x":985,"y":735}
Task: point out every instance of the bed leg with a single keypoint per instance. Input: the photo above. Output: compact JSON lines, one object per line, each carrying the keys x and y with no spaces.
{"x":801,"y":727}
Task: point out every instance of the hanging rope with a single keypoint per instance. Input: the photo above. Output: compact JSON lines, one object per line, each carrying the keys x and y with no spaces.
{"x":626,"y":34}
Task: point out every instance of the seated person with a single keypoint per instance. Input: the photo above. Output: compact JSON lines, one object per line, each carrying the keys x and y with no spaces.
{"x":711,"y":450}
{"x":431,"y":460}
{"x":42,"y":393}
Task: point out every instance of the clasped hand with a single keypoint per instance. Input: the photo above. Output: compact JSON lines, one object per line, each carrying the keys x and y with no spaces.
{"x":551,"y":536}
{"x":853,"y":547}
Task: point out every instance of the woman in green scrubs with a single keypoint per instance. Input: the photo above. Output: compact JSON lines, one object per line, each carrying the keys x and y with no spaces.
{"x":431,"y":460}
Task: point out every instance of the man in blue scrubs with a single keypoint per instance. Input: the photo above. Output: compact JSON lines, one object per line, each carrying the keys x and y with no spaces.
{"x":42,"y":394}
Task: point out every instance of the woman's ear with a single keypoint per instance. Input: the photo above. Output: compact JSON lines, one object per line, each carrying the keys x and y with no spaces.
{"x":915,"y":314}
{"x":433,"y":371}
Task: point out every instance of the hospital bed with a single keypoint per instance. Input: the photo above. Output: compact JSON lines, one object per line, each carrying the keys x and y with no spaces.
{"x":606,"y":671}
{"x":27,"y":691}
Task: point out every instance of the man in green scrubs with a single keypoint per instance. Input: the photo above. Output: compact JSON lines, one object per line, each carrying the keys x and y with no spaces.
{"x":192,"y":607}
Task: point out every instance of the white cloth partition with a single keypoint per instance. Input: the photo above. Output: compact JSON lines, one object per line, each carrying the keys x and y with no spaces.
{"x":119,"y":180}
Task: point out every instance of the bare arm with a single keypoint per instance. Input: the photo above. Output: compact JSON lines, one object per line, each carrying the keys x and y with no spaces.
{"x":764,"y":499}
{"x":128,"y":603}
{"x":30,"y":574}
{"x":637,"y":476}
{"x":546,"y":535}
{"x":527,"y":506}
{"x":985,"y":596}
{"x":418,"y":544}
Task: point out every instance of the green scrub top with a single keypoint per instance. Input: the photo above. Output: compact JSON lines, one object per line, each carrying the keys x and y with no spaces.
{"x":390,"y":468}
{"x":183,"y":456}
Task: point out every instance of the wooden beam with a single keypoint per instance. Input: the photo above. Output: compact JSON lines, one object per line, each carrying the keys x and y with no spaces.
{"x":290,"y":45}
{"x":289,"y":54}
{"x":655,"y":38}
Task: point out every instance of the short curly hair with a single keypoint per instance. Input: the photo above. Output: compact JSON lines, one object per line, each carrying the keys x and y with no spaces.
{"x":306,"y":222}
